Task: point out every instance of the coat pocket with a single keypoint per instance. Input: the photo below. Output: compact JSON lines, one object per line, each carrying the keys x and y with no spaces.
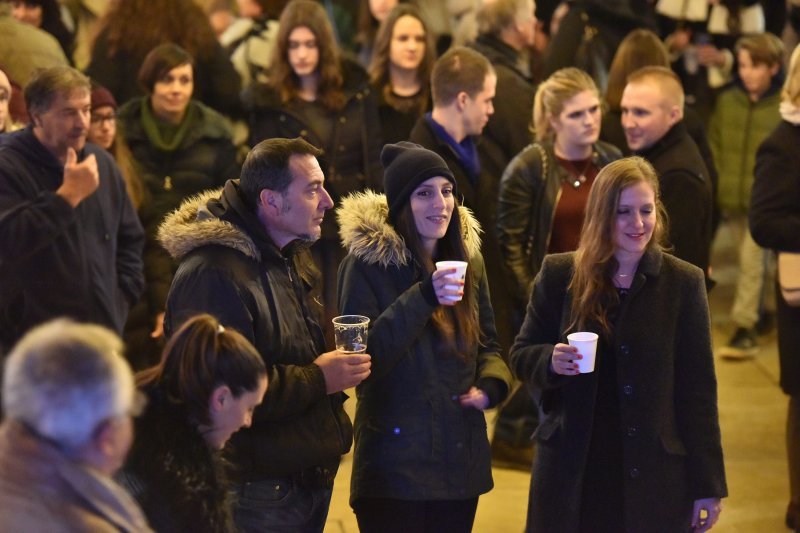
{"x":547,"y":429}
{"x":673,"y":445}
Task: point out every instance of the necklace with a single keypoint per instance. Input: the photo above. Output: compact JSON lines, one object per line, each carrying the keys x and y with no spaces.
{"x":579,"y":177}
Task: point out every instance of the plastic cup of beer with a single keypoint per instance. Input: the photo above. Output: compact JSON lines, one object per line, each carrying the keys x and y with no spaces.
{"x":350,"y":333}
{"x":586,"y":342}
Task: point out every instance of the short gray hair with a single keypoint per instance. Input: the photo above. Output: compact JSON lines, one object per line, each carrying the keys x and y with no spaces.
{"x":63,"y":379}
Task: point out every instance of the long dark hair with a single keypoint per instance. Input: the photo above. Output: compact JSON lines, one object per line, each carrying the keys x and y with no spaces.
{"x":201,"y":356}
{"x":457,"y":325}
{"x":379,"y":67}
{"x":309,"y":14}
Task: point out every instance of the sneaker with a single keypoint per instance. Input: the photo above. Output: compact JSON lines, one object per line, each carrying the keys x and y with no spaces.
{"x":743,"y":345}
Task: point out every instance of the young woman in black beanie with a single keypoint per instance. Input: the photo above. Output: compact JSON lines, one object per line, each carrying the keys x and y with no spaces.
{"x":421,"y":451}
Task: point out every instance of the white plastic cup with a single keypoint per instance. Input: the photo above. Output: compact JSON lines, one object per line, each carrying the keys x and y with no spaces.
{"x":459,"y":275}
{"x":586,"y":343}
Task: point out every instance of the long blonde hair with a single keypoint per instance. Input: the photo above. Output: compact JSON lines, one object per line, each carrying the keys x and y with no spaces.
{"x":592,"y":286}
{"x":562,"y":85}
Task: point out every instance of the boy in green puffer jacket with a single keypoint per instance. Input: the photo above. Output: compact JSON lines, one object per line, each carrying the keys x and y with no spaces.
{"x":745,"y":114}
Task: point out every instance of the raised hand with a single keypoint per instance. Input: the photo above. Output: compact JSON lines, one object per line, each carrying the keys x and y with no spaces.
{"x":80,"y":179}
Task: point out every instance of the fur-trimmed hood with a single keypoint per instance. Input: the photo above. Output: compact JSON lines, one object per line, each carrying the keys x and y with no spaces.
{"x":192,"y":225}
{"x":365,"y":231}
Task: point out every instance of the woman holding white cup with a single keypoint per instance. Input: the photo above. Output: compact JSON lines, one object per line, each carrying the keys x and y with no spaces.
{"x":421,"y":450}
{"x":635,"y":444}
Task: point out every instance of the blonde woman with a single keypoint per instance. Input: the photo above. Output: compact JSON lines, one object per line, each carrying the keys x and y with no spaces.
{"x":635,"y":444}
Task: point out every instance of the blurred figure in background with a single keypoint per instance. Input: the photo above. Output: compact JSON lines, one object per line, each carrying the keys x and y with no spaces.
{"x":775,"y":224}
{"x":7,"y":123}
{"x":745,"y":114}
{"x":45,"y":15}
{"x":205,"y":388}
{"x":68,"y":399}
{"x":24,"y":49}
{"x":371,"y":14}
{"x":181,"y":147}
{"x":131,"y":29}
{"x":400,"y":72}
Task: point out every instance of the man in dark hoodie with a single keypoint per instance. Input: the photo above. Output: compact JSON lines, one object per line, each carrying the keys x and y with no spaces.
{"x":244,"y":258}
{"x":70,"y":240}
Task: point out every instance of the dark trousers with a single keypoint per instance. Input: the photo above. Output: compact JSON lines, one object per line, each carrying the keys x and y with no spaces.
{"x":281,"y":505}
{"x":386,"y":515}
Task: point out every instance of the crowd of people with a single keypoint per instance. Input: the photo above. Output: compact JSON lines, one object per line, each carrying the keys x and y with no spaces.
{"x":190,"y":192}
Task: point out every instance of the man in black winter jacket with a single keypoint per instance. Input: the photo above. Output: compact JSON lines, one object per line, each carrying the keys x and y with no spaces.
{"x":70,"y":240}
{"x":244,"y":258}
{"x":652,"y":117}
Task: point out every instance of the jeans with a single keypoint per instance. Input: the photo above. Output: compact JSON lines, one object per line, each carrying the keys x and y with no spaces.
{"x":281,"y":505}
{"x":387,"y":515}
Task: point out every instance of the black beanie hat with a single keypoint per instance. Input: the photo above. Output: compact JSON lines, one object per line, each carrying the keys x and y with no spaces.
{"x":406,"y":165}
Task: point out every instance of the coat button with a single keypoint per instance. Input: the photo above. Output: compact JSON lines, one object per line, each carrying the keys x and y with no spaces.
{"x":454,"y":397}
{"x":343,"y":119}
{"x":107,"y":237}
{"x":459,"y":445}
{"x":303,"y":133}
{"x":632,"y":431}
{"x":628,"y":390}
{"x":633,"y":473}
{"x":624,"y":349}
{"x":342,"y":148}
{"x":396,"y":431}
{"x":282,"y":118}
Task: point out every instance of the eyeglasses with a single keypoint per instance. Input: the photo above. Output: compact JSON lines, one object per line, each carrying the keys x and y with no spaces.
{"x":99,"y":119}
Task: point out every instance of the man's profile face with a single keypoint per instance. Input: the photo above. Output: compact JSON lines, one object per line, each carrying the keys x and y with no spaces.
{"x":647,"y":115}
{"x":477,"y":110}
{"x":301,"y":208}
{"x":66,"y":123}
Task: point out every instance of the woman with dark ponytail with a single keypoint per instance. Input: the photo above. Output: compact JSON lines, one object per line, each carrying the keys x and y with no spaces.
{"x":206,"y":387}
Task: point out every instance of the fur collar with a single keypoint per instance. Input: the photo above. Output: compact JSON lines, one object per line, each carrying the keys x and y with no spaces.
{"x":192,"y":226}
{"x":366,"y":233}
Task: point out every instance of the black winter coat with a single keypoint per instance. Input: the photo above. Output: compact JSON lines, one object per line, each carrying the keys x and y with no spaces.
{"x":414,"y":441}
{"x":775,"y":224}
{"x":204,"y":159}
{"x":351,"y":159}
{"x":230,"y":269}
{"x":661,"y":342}
{"x":179,"y":482}
{"x":686,"y":193}
{"x":508,"y":130}
{"x":83,"y":263}
{"x":529,"y":194}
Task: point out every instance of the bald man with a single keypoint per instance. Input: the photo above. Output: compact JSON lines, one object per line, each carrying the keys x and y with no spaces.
{"x":652,"y":118}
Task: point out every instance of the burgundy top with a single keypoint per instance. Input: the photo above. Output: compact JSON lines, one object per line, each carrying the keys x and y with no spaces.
{"x":568,"y":216}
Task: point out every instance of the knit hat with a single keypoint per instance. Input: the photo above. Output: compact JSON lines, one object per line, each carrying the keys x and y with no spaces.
{"x":102,"y":97}
{"x":406,"y":165}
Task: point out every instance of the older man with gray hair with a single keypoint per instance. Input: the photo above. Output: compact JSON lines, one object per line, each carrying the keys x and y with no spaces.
{"x":68,"y":398}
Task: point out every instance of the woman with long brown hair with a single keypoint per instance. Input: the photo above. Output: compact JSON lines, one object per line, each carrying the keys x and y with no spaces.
{"x":633,"y":445}
{"x":400,"y":71}
{"x":131,"y":29}
{"x":421,"y":451}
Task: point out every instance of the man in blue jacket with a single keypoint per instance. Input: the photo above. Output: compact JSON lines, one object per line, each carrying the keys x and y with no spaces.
{"x":70,"y":240}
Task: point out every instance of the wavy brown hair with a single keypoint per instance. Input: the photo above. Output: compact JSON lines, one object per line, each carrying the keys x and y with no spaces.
{"x":640,"y":48}
{"x":309,"y":14}
{"x":135,"y":27}
{"x":379,"y":67}
{"x":457,"y":325}
{"x":592,"y":284}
